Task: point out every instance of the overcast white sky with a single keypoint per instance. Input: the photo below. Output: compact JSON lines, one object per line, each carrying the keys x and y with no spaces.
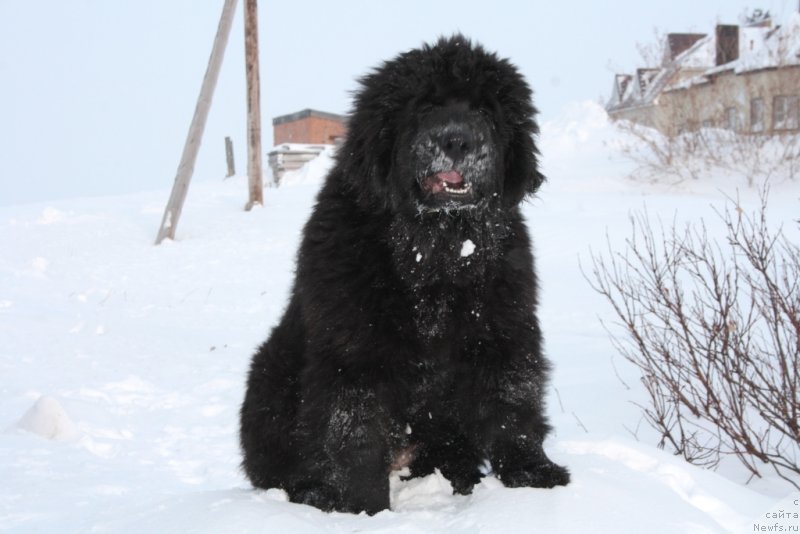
{"x":96,"y":96}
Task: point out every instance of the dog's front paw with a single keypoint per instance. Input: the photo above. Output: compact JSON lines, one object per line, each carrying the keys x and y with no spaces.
{"x":327,"y":499}
{"x":462,"y":478}
{"x":542,"y":475}
{"x":319,"y":496}
{"x":463,"y":485}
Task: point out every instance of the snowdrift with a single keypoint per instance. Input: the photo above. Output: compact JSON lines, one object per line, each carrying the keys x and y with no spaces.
{"x":123,"y":365}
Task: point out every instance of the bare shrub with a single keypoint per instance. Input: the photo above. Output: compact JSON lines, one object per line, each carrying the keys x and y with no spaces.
{"x":714,"y":328}
{"x":693,"y":154}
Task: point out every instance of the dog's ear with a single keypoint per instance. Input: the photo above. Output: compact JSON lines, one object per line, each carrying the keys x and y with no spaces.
{"x":515,"y":102}
{"x":522,"y":176}
{"x":363,"y":157}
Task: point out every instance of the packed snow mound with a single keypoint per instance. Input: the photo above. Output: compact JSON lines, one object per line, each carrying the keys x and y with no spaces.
{"x":48,"y":419}
{"x":584,"y":131}
{"x":580,"y":124}
{"x":312,"y":172}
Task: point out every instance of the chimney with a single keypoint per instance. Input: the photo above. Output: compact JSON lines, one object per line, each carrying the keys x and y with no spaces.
{"x":677,"y":43}
{"x":727,"y":39}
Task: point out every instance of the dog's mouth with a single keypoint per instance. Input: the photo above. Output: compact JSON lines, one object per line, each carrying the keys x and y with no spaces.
{"x":447,"y":183}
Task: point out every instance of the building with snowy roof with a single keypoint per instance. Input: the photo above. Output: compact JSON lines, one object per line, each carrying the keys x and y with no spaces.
{"x":744,"y":78}
{"x":300,"y":137}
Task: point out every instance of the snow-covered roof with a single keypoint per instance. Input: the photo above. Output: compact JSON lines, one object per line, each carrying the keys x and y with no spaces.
{"x":298,"y":148}
{"x":764,"y":48}
{"x":759,"y":48}
{"x":701,"y":55}
{"x":649,"y":83}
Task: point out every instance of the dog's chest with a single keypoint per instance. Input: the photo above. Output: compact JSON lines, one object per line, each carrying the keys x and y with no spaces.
{"x":448,"y":312}
{"x":441,"y":369}
{"x":432,"y":381}
{"x":438,"y":252}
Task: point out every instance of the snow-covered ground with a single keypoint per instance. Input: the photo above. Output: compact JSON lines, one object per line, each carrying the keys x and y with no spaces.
{"x":122,"y":365}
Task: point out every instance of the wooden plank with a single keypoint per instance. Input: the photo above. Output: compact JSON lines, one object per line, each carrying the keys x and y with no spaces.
{"x":254,"y":172}
{"x":172,"y":213}
{"x":229,"y":157}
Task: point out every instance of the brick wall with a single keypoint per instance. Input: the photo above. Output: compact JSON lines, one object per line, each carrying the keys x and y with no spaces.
{"x":308,"y":127}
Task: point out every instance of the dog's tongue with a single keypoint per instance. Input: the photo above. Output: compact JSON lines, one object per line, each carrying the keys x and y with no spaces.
{"x":450,"y":177}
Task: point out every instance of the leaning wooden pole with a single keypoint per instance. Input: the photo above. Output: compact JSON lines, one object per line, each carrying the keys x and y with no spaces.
{"x":186,"y":166}
{"x":254,"y":174}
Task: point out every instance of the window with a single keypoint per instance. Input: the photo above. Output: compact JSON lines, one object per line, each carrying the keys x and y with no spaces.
{"x":731,"y":119}
{"x":757,"y":115}
{"x":786,"y":112}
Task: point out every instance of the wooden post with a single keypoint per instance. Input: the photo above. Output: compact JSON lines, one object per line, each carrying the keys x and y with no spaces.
{"x":254,"y":174}
{"x":186,"y":166}
{"x":229,"y":157}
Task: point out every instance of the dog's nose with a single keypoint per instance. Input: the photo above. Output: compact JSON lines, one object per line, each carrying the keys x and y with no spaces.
{"x":457,"y":143}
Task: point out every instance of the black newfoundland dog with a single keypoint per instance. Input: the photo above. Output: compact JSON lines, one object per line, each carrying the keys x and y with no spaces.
{"x":411,"y":336}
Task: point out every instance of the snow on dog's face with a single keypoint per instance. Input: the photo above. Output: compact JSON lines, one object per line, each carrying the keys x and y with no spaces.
{"x":453,"y":157}
{"x":444,"y":127}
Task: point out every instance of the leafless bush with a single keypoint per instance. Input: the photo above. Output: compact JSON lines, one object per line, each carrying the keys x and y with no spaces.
{"x":699,"y":152}
{"x":714,"y":328}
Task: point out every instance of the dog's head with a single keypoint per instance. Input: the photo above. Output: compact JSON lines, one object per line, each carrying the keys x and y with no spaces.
{"x":444,"y":127}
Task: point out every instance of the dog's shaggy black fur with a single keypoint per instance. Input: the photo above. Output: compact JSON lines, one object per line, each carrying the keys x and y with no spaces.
{"x":411,"y":332}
